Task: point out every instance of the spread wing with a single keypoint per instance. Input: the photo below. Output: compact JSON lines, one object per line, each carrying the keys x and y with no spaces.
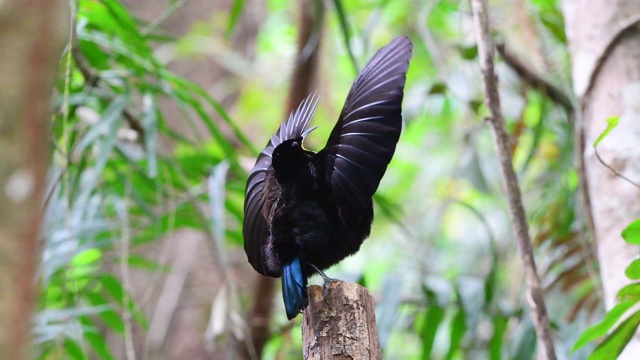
{"x":364,"y":139}
{"x":259,"y":195}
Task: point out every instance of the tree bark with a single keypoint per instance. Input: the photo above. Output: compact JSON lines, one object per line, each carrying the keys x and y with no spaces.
{"x":341,"y":325}
{"x":32,"y":35}
{"x":604,"y":43}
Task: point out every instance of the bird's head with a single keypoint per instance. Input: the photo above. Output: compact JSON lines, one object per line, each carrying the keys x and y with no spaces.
{"x":290,"y":160}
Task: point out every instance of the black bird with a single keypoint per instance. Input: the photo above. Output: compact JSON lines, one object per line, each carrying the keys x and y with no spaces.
{"x":306,"y":211}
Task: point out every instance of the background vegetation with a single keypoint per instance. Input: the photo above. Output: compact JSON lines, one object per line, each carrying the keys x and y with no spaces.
{"x":161,"y":109}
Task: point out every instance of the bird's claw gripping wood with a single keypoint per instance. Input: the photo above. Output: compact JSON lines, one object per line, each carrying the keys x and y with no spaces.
{"x":326,"y":283}
{"x":304,"y":208}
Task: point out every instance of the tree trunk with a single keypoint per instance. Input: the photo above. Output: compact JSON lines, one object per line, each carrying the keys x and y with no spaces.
{"x":32,"y":35}
{"x":605,"y":57}
{"x":341,"y":325}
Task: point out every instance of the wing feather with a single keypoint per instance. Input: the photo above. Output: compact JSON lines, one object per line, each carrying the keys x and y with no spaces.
{"x":259,"y":199}
{"x":365,"y":136}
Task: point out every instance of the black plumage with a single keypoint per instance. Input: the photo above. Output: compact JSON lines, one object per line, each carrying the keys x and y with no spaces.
{"x":304,"y":208}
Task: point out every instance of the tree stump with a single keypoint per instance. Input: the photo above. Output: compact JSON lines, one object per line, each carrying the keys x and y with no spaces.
{"x":342,"y":325}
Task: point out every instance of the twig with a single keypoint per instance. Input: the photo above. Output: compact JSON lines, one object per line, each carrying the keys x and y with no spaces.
{"x":509,"y":179}
{"x":93,"y":79}
{"x":615,"y":171}
{"x":534,"y":79}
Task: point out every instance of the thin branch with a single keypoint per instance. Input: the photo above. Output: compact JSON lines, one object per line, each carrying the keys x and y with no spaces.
{"x":509,"y":179}
{"x":93,"y":79}
{"x":134,"y":124}
{"x":615,"y":171}
{"x":534,"y":79}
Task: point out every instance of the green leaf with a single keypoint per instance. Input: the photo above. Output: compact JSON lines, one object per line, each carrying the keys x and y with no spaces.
{"x":613,"y":345}
{"x":437,"y":88}
{"x":111,"y":318}
{"x":141,"y":262}
{"x":74,"y":350}
{"x":490,"y":284}
{"x":94,"y":55}
{"x":127,"y":28}
{"x":181,"y":94}
{"x":86,"y":257}
{"x":104,"y":148}
{"x":495,"y":344}
{"x":97,"y":341}
{"x":553,"y":20}
{"x":632,"y":233}
{"x":468,"y":52}
{"x":433,"y":319}
{"x":219,"y":110}
{"x":99,"y":345}
{"x":184,"y":216}
{"x":458,"y":329}
{"x":600,"y":329}
{"x":114,"y":288}
{"x":630,"y":292}
{"x":108,"y":120}
{"x":536,"y":112}
{"x":234,"y":15}
{"x":633,"y":270}
{"x":475,"y":105}
{"x":612,"y":122}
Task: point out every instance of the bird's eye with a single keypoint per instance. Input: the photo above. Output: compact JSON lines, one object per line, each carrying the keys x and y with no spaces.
{"x":295,"y":144}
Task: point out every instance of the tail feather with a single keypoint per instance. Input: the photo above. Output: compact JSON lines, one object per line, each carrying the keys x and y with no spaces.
{"x":294,"y":288}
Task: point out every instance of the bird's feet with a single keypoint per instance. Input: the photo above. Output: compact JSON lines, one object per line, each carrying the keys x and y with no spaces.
{"x":326,"y":282}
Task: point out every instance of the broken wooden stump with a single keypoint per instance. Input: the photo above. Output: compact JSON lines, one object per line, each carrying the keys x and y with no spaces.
{"x":340,"y":326}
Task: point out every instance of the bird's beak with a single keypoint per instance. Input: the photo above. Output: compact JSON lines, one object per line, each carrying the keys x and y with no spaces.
{"x":306,"y":132}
